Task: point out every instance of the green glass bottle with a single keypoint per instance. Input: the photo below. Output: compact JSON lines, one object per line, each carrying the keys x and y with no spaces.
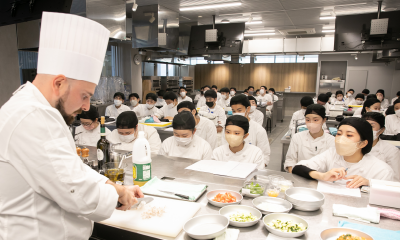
{"x":103,"y":147}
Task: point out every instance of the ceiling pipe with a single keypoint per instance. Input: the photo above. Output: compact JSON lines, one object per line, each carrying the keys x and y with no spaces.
{"x":379,"y":8}
{"x":213,"y":21}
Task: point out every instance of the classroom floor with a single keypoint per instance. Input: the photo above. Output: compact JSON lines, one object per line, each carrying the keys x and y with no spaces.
{"x":275,"y":143}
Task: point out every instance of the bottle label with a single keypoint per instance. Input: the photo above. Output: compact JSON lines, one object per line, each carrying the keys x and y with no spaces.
{"x":102,"y":131}
{"x":141,"y":172}
{"x":100,"y":155}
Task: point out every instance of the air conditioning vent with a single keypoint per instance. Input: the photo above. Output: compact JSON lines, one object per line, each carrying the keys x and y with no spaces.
{"x":302,"y":31}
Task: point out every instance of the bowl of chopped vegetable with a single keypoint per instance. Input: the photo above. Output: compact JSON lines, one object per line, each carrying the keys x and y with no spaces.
{"x":269,"y":205}
{"x":253,"y":189}
{"x":222,"y":198}
{"x":338,"y":233}
{"x":285,"y":225}
{"x":240,"y":215}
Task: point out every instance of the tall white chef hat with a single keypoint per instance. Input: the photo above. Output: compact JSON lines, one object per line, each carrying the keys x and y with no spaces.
{"x":73,"y":46}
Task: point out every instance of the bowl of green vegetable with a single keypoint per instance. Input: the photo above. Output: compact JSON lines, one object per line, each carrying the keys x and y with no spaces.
{"x":241,"y":215}
{"x":253,"y":189}
{"x":285,"y":225}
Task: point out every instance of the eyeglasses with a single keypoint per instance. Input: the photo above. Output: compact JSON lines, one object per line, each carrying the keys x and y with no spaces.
{"x":87,"y":124}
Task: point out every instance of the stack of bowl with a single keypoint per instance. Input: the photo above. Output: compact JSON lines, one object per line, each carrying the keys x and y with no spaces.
{"x":305,"y":199}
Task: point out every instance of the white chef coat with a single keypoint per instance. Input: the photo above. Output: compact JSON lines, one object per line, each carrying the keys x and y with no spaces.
{"x":275,"y":98}
{"x":219,"y":96}
{"x":257,"y":116}
{"x":335,"y":101}
{"x":197,"y":97}
{"x":133,"y":108}
{"x":303,"y":147}
{"x":262,"y":101}
{"x":327,"y":106}
{"x":224,"y":103}
{"x":389,"y":154}
{"x":392,"y":125}
{"x":160,"y":102}
{"x":216,"y":111}
{"x":249,"y":154}
{"x":206,"y":130}
{"x":299,"y":116}
{"x":394,"y":99}
{"x":369,"y":167}
{"x":84,"y":137}
{"x":385,"y":103}
{"x":150,"y":133}
{"x":201,"y":102}
{"x":257,"y":137}
{"x":347,"y":100}
{"x":114,"y":112}
{"x":353,"y":102}
{"x":197,"y":149}
{"x":142,"y":111}
{"x":357,"y":112}
{"x":187,"y":99}
{"x":47,"y":193}
{"x":165,"y":111}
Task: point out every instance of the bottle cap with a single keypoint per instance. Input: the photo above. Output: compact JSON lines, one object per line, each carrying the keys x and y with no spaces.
{"x":102,"y":120}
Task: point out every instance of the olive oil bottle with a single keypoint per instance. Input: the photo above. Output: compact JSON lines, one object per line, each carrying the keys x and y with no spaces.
{"x":103,"y":147}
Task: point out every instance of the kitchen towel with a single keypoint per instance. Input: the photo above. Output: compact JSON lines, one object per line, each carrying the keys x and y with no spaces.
{"x":376,"y":233}
{"x":230,"y":234}
{"x":370,"y":215}
{"x":390,"y":213}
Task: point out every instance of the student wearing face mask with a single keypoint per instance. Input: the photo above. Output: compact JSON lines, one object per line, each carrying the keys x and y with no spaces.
{"x":182,"y":95}
{"x":257,"y":134}
{"x":250,"y":90}
{"x":147,"y":109}
{"x":257,"y":92}
{"x":88,"y":133}
{"x":307,"y":144}
{"x":380,"y":94}
{"x":359,"y":100}
{"x":323,"y":101}
{"x":199,"y":94}
{"x":393,"y":121}
{"x":255,"y":114}
{"x":118,"y":107}
{"x":225,"y":99}
{"x":213,"y":111}
{"x":271,"y":92}
{"x":232,"y":92}
{"x":160,"y":100}
{"x":246,"y":92}
{"x":397,"y":97}
{"x":365,"y":92}
{"x":236,"y":149}
{"x":169,"y":110}
{"x":185,"y":143}
{"x":382,"y":149}
{"x":349,"y":162}
{"x":202,"y":100}
{"x":349,"y":97}
{"x":128,"y":131}
{"x":370,"y":105}
{"x":205,"y":128}
{"x":299,"y":116}
{"x":134,"y":100}
{"x":338,"y":99}
{"x":265,"y":100}
{"x":215,"y":88}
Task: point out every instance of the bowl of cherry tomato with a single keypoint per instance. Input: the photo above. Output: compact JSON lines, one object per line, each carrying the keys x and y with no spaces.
{"x":223,"y":197}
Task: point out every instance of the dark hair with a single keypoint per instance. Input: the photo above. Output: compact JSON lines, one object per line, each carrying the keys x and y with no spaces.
{"x":366,"y":91}
{"x":119,"y":94}
{"x":239,"y":121}
{"x":329,"y":94}
{"x":250,"y":87}
{"x":381,"y":91}
{"x":151,"y":96}
{"x":207,"y":86}
{"x":316,"y":109}
{"x":363,"y":128}
{"x":182,"y":88}
{"x":398,"y":94}
{"x":390,"y":110}
{"x":252,"y":98}
{"x":233,"y":88}
{"x":134,"y":95}
{"x":323,"y":98}
{"x":396,"y":102}
{"x":371,"y":96}
{"x":246,"y":90}
{"x":161,"y":93}
{"x":264,"y":87}
{"x":350,"y":90}
{"x":240,"y":99}
{"x":210,"y":93}
{"x":186,"y":104}
{"x":214,"y":86}
{"x":92,"y":114}
{"x":225,"y":90}
{"x":306,"y":101}
{"x":168,"y":89}
{"x":376,"y":117}
{"x":360,"y":95}
{"x":257,"y":90}
{"x":170,"y":96}
{"x":184,"y":121}
{"x":272,"y":89}
{"x":368,"y":103}
{"x":339,"y":92}
{"x":127,"y":120}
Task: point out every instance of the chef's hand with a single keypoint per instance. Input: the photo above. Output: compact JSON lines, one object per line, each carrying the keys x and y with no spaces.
{"x":136,"y":191}
{"x":357,"y":181}
{"x":126,"y":198}
{"x":269,"y":103}
{"x":334,"y":174}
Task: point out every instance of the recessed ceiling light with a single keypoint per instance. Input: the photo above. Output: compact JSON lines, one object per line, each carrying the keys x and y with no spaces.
{"x":254,"y":22}
{"x":257,"y":34}
{"x":200,"y":16}
{"x":332,"y":30}
{"x":329,"y":27}
{"x":324,"y":18}
{"x":260,"y":31}
{"x":389,"y":9}
{"x":224,"y":21}
{"x":229,"y":4}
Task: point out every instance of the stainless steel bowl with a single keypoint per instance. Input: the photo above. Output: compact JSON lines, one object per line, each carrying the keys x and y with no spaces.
{"x":230,"y":210}
{"x":283,"y":204}
{"x":211,"y":195}
{"x":305,"y":199}
{"x":284,"y":217}
{"x":206,"y":226}
{"x":334,"y":233}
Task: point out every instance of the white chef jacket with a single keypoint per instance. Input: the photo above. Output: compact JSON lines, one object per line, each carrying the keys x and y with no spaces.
{"x":160,"y":102}
{"x":114,"y":112}
{"x":133,"y":108}
{"x":394,"y":99}
{"x":347,"y":100}
{"x":327,"y":106}
{"x":150,"y":133}
{"x":197,"y":97}
{"x":275,"y":98}
{"x":357,"y":112}
{"x":353,"y":102}
{"x":299,"y":116}
{"x":197,"y":149}
{"x":224,"y":103}
{"x":385,"y":103}
{"x":335,"y":101}
{"x":369,"y":167}
{"x":249,"y":154}
{"x":219,"y":96}
{"x":257,"y":137}
{"x":48,"y":193}
{"x":206,"y":130}
{"x":165,"y":111}
{"x":218,"y":112}
{"x":303,"y":147}
{"x":262,"y":101}
{"x":392,"y":125}
{"x":201,"y":102}
{"x":188,"y":99}
{"x":84,"y":137}
{"x":257,"y":116}
{"x":142,"y":111}
{"x":389,"y":154}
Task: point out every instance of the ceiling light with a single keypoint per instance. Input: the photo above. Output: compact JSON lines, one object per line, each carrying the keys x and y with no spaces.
{"x":260,"y":31}
{"x":329,"y":27}
{"x":254,"y":22}
{"x":389,"y":9}
{"x":355,"y":56}
{"x":224,"y":21}
{"x":200,"y":16}
{"x":257,"y":34}
{"x":332,"y":30}
{"x":325,"y":18}
{"x":134,"y":7}
{"x":231,"y":4}
{"x":151,"y":20}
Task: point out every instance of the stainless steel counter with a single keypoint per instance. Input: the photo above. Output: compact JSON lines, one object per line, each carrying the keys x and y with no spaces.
{"x":175,"y":169}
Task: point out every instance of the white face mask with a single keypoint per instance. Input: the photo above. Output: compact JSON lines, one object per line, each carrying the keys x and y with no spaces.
{"x":240,"y":114}
{"x":376,"y":134}
{"x":397,"y":113}
{"x":314,"y":127}
{"x":171,"y":105}
{"x":233,"y":140}
{"x":232,"y":93}
{"x":149,"y":106}
{"x":253,"y":108}
{"x":183,"y":141}
{"x":127,"y":138}
{"x":375,"y":111}
{"x":117,"y":102}
{"x":262,"y":91}
{"x":345,"y":146}
{"x":224,"y":97}
{"x":349,"y":94}
{"x":183,"y":94}
{"x":340,"y":98}
{"x":359,"y":102}
{"x":134,"y":103}
{"x":271,"y":93}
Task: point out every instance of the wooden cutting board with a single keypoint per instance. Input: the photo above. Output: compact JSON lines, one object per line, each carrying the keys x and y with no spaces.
{"x":170,"y":224}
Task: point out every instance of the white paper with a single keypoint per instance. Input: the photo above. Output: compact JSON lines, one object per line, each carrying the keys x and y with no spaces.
{"x":274,"y":237}
{"x":170,"y":129}
{"x":230,"y":169}
{"x":338,"y":188}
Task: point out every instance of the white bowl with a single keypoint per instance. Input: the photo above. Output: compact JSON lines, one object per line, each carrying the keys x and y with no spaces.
{"x":298,"y":197}
{"x":206,"y":226}
{"x":211,"y":195}
{"x":335,"y":233}
{"x":284,"y":217}
{"x":273,"y":200}
{"x":230,"y":210}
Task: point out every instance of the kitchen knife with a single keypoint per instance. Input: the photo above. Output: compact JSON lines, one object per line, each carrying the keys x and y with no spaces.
{"x":146,"y":199}
{"x":176,"y":194}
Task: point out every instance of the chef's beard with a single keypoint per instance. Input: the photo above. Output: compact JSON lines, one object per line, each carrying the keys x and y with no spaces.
{"x":69,"y":119}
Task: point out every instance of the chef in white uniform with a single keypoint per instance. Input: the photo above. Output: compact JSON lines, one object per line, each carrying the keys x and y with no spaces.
{"x":236,"y":149}
{"x":380,"y":94}
{"x":358,"y":100}
{"x":225,"y":99}
{"x":255,"y":114}
{"x":168,"y":111}
{"x":148,"y":109}
{"x":353,"y":143}
{"x":128,"y":131}
{"x":88,"y":133}
{"x":215,"y":88}
{"x":382,"y":149}
{"x":232,"y":92}
{"x":392,"y":122}
{"x":365,"y":92}
{"x":257,"y":134}
{"x":47,"y":191}
{"x":397,"y":97}
{"x":349,"y":97}
{"x":265,"y":100}
{"x":307,"y":144}
{"x":338,"y":99}
{"x":185,"y":143}
{"x":271,"y":92}
{"x":182,"y":95}
{"x":299,"y":116}
{"x":118,"y":107}
{"x":323,"y":101}
{"x":202,"y":100}
{"x":134,"y":100}
{"x":160,"y":100}
{"x":370,"y":105}
{"x":205,"y":128}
